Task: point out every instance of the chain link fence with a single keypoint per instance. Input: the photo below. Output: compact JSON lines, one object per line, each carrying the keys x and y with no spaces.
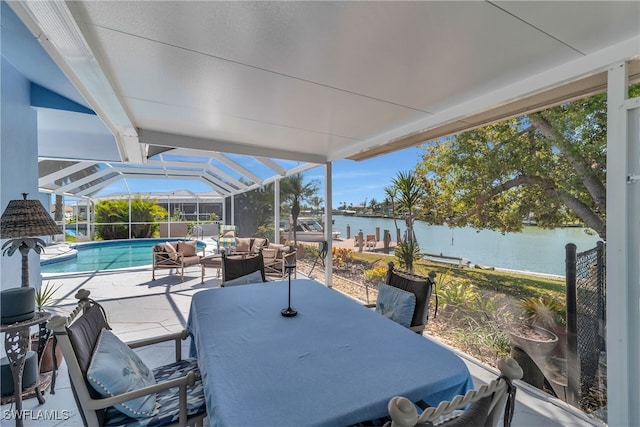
{"x":590,"y":318}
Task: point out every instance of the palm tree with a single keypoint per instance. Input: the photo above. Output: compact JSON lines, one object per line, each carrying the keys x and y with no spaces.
{"x":409,"y":193}
{"x":392,"y":192}
{"x":295,"y":191}
{"x":409,"y":196}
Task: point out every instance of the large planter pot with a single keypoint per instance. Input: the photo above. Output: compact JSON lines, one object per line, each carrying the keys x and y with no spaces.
{"x":535,"y":341}
{"x":531,"y":347}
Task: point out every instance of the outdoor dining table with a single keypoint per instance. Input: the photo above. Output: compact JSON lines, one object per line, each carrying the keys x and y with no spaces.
{"x":335,"y":363}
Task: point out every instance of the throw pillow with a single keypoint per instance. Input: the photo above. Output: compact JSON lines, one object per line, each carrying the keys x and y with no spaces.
{"x":115,"y":369}
{"x":187,"y":248}
{"x":255,"y":277}
{"x":229,"y":233}
{"x":258,"y":243}
{"x":395,"y":304}
{"x":173,"y":253}
{"x":243,"y":244}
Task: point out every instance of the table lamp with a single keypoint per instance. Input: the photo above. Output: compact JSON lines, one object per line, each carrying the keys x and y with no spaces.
{"x":289,"y":312}
{"x":21,"y":221}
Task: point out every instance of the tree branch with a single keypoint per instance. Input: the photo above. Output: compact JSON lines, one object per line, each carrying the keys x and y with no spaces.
{"x":592,"y":184}
{"x":583,"y":211}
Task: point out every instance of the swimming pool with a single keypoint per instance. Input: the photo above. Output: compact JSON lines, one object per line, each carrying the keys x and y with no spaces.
{"x":106,"y":255}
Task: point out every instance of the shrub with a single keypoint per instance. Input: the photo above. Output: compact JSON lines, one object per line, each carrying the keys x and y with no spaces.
{"x":376,"y":274}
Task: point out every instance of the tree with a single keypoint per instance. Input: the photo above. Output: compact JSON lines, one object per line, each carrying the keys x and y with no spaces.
{"x":549,"y":165}
{"x":295,"y":191}
{"x":409,"y":197}
{"x":254,"y":212}
{"x":112,"y":218}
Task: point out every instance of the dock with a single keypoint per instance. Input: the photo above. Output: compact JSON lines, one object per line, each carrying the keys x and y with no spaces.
{"x":351,"y":244}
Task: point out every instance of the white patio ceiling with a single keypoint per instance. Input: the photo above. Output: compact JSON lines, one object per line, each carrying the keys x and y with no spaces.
{"x":314,"y":82}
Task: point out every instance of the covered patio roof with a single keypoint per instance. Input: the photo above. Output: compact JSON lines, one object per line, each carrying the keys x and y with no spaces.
{"x":293,"y":85}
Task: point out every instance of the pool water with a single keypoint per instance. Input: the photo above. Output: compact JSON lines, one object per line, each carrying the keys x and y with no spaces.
{"x":107,"y":255}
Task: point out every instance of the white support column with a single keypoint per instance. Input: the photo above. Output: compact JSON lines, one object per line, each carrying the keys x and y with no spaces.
{"x":328,"y":202}
{"x":129,"y":214}
{"x":276,"y":211}
{"x":623,"y":253}
{"x":233,"y":211}
{"x":224,"y":210}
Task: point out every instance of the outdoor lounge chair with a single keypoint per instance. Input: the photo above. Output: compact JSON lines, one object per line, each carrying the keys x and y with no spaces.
{"x":488,"y":404}
{"x":106,"y":375}
{"x":371,"y":241}
{"x":242,"y":269}
{"x":166,"y":255}
{"x":276,"y":257}
{"x":410,"y":310}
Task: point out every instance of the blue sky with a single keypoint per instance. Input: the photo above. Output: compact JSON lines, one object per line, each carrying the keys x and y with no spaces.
{"x":353,"y":182}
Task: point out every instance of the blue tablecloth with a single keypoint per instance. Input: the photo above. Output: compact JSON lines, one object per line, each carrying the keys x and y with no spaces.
{"x":336,"y":363}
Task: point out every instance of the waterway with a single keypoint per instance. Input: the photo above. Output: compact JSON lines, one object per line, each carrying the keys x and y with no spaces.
{"x":534,"y":249}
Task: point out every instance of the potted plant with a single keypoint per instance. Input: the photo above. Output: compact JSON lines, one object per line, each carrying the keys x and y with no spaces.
{"x":44,"y":297}
{"x":550,"y":313}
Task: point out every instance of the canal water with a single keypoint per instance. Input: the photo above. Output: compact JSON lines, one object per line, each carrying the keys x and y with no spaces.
{"x":534,"y":249}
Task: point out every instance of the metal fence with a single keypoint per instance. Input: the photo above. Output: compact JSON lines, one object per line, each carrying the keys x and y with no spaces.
{"x":586,"y":314}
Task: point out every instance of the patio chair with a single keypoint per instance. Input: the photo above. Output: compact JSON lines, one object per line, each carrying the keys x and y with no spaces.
{"x":404,"y":297}
{"x":112,"y":386}
{"x":488,"y":403}
{"x":242,"y":269}
{"x":371,"y":241}
{"x":176,"y":255}
{"x":276,"y":256}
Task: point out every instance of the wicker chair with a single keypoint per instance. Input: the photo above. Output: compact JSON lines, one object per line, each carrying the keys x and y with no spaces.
{"x":488,"y":404}
{"x":242,"y":269}
{"x":178,"y":387}
{"x":420,"y":286}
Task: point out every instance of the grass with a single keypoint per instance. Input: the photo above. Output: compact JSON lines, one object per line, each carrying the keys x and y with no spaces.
{"x":476,"y":306}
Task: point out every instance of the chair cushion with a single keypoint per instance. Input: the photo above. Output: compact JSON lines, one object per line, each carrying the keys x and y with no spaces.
{"x":243,"y":244}
{"x":167,"y":399}
{"x":169,"y":248}
{"x":228,"y":233}
{"x":160,"y":253}
{"x":258,"y":243}
{"x":84,"y":333}
{"x":255,"y":277}
{"x":187,"y":248}
{"x":420,"y":287}
{"x":115,"y":369}
{"x":188,"y":261}
{"x":396,"y":304}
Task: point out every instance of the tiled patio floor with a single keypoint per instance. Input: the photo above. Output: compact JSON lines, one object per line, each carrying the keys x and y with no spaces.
{"x":138,"y":307}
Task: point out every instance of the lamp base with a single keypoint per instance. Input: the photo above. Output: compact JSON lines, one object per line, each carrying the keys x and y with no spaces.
{"x":288,"y":312}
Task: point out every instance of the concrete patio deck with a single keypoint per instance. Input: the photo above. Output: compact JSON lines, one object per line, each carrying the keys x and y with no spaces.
{"x":138,"y":307}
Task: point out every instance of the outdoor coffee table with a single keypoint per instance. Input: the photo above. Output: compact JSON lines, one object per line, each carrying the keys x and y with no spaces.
{"x":211,"y":261}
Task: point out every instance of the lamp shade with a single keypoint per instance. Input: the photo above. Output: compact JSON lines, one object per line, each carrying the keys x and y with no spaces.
{"x":26,"y":218}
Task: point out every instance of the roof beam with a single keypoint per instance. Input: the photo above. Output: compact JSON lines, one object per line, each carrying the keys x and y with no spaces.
{"x":272,"y":165}
{"x":85,"y":180}
{"x":52,"y":23}
{"x":95,"y":188}
{"x":182,"y":141}
{"x":238,"y":168}
{"x":205,"y":166}
{"x":69,"y":170}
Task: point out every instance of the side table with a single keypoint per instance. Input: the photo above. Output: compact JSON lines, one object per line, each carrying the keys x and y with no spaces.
{"x":16,"y":344}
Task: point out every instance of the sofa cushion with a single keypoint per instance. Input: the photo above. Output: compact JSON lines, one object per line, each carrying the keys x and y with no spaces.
{"x":115,"y":369}
{"x":187,"y":248}
{"x":190,"y":260}
{"x":171,"y":250}
{"x":243,"y":244}
{"x":258,"y":243}
{"x":396,"y":304}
